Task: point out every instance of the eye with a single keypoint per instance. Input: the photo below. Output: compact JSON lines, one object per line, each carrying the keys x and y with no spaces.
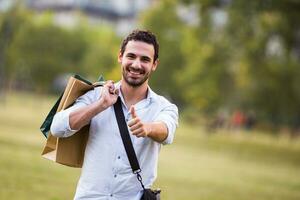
{"x":145,"y":59}
{"x":130,"y":56}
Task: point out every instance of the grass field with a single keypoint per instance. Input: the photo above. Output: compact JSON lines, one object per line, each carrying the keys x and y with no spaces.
{"x":197,"y":166}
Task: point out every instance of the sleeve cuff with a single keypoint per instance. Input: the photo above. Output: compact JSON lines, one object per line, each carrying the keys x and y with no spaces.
{"x":170,"y":136}
{"x":60,"y":126}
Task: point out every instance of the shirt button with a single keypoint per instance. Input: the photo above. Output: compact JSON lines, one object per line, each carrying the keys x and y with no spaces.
{"x":115,"y":176}
{"x":111,"y":195}
{"x":119,"y":157}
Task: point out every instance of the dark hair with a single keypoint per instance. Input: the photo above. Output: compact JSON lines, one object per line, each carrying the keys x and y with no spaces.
{"x":143,"y":36}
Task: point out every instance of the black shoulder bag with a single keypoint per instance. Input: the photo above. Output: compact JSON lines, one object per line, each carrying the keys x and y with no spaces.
{"x":148,"y":193}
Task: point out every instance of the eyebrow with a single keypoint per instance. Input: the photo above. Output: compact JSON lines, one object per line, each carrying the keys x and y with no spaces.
{"x":142,"y":57}
{"x":146,"y":58}
{"x":130,"y":54}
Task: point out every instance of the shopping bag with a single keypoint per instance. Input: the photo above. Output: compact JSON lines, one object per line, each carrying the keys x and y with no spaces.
{"x":70,"y":150}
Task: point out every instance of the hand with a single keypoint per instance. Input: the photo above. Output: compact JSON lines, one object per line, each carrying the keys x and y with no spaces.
{"x":109,"y":94}
{"x":136,"y":126}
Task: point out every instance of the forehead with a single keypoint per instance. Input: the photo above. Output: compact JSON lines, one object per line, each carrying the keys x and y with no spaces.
{"x":140,"y":48}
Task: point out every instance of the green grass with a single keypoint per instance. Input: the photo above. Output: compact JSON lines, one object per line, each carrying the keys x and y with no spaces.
{"x":223,"y":166}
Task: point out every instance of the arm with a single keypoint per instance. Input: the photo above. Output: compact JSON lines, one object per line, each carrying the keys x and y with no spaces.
{"x":157,"y":131}
{"x":67,"y":122}
{"x":81,"y":117}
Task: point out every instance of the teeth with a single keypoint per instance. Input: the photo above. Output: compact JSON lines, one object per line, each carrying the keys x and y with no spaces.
{"x":134,"y":73}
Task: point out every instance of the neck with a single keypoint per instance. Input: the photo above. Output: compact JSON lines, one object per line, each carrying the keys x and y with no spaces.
{"x":132,"y":95}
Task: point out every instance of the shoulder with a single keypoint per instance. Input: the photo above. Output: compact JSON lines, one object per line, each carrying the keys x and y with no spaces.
{"x":97,"y":92}
{"x":91,"y":95}
{"x":161,"y":100}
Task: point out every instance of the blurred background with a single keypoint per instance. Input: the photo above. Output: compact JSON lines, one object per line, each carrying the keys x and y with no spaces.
{"x":231,"y":66}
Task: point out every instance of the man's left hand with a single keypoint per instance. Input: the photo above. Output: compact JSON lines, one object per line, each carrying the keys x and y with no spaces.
{"x":136,"y":126}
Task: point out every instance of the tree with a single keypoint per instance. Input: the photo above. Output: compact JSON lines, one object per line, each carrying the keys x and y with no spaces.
{"x":10,"y":23}
{"x":164,"y":22}
{"x":41,"y":51}
{"x":239,"y":54}
{"x":101,"y":54}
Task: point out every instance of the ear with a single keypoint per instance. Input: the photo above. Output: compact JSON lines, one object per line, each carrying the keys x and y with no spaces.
{"x":155,"y":65}
{"x":120,"y":57}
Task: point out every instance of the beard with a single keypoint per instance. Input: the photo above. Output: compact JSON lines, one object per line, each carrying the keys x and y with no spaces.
{"x":135,"y":81}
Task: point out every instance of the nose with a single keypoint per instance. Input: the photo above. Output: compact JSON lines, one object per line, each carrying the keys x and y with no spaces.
{"x":136,"y":64}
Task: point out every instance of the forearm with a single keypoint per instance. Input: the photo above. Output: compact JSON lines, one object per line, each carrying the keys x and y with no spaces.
{"x":157,"y":131}
{"x":82,"y":116}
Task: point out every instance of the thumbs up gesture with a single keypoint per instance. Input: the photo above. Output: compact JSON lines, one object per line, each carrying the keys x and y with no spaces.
{"x":136,"y":126}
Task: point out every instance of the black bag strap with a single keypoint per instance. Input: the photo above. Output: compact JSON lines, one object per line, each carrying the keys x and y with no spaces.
{"x":134,"y":163}
{"x":126,"y":137}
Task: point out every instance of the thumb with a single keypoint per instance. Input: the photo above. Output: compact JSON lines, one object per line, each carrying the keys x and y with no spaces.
{"x":116,"y":92}
{"x":132,"y":111}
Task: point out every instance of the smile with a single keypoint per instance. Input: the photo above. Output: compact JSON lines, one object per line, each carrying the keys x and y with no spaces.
{"x":135,"y":72}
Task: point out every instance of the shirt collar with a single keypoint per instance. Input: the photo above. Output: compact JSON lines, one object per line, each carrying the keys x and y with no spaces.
{"x":151,"y":96}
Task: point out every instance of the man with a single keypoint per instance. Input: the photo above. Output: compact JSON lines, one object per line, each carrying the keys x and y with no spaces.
{"x":151,"y":119}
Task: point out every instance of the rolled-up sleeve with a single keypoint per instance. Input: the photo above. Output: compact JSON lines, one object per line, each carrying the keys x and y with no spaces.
{"x":169,"y":116}
{"x":60,"y":126}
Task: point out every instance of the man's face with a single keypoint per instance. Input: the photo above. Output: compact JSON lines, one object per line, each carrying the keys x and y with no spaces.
{"x":137,"y":62}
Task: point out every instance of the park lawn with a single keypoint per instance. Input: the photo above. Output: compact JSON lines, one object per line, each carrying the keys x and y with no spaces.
{"x":198,"y":166}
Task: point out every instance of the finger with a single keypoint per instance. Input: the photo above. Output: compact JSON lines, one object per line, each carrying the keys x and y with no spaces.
{"x":135,"y":126}
{"x":108,"y":85}
{"x":116,"y":92}
{"x":111,"y":89}
{"x":133,"y":122}
{"x":109,"y":82}
{"x":132,"y":111}
{"x":141,"y":135}
{"x":137,"y":131}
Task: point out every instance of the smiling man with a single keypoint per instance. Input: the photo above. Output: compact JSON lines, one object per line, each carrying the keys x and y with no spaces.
{"x":151,"y":120}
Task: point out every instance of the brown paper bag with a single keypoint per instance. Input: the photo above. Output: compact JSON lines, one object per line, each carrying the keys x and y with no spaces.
{"x":69,"y":151}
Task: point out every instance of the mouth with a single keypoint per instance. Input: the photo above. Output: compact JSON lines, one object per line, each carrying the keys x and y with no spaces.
{"x":134,"y":72}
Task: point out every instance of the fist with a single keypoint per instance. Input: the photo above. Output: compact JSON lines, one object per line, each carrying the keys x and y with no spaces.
{"x":109,"y":94}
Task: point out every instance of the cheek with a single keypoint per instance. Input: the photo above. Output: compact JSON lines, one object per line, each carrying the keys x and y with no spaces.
{"x":126,"y":63}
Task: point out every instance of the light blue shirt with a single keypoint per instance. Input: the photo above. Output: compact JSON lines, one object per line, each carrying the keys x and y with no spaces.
{"x":106,"y":172}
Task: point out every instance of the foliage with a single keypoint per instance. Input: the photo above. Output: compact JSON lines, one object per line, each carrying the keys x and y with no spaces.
{"x":43,"y":51}
{"x":214,"y":55}
{"x":238,"y":55}
{"x":39,"y":50}
{"x":10,"y":24}
{"x":101,"y":54}
{"x":164,"y":22}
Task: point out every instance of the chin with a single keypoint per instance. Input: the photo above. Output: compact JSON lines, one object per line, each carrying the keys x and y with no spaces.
{"x":134,"y":83}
